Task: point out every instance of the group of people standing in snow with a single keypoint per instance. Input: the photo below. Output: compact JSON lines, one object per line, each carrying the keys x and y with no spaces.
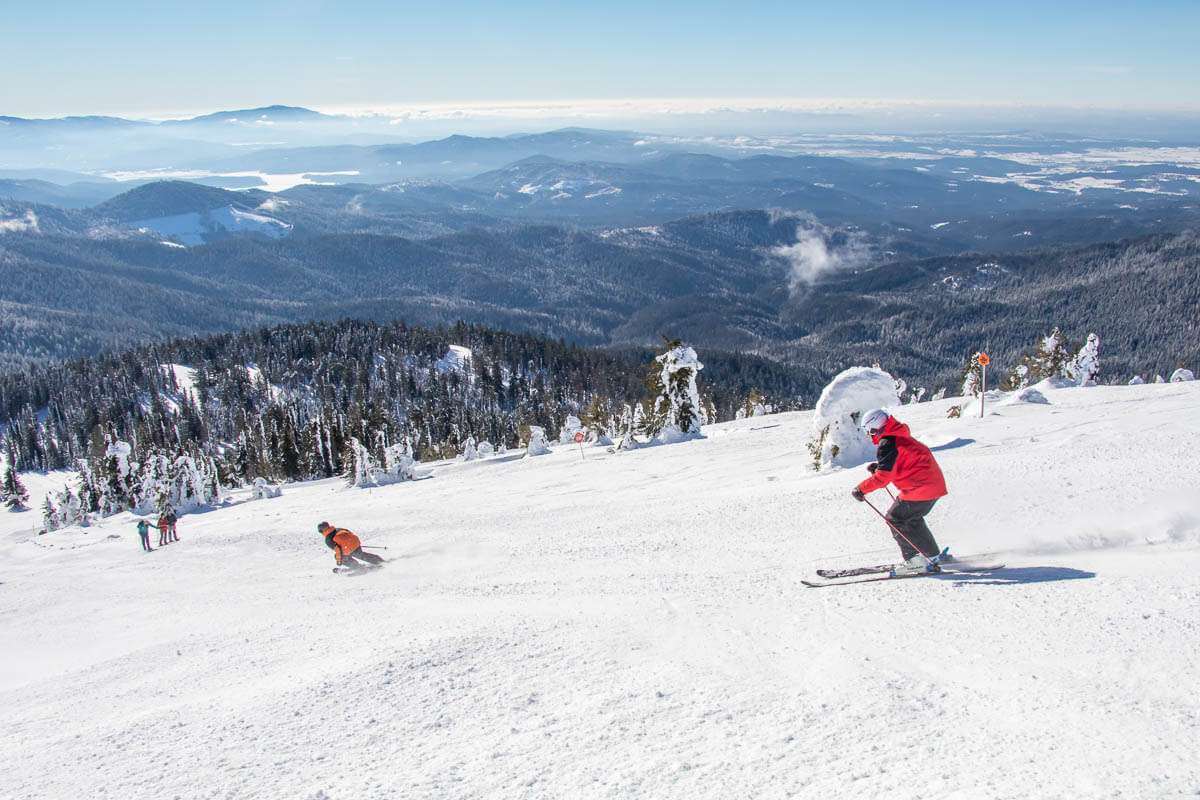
{"x":166,"y":529}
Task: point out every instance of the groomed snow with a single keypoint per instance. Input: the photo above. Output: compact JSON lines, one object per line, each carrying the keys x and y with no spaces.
{"x":566,"y":627}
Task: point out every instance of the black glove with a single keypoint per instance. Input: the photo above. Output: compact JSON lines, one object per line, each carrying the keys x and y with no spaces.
{"x":858,"y":495}
{"x":872,"y":467}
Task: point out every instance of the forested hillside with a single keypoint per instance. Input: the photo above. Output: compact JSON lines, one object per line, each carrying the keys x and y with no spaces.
{"x":283,"y":402}
{"x":717,"y":280}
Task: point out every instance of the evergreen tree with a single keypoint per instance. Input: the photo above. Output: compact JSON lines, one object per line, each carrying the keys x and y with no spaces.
{"x":13,"y":492}
{"x":1047,"y":359}
{"x":1084,"y":368}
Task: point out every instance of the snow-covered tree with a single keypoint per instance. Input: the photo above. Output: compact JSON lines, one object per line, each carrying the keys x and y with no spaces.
{"x":470,"y":450}
{"x":537,"y":445}
{"x":972,"y":378}
{"x":753,"y":406}
{"x":837,"y":439}
{"x":1182,"y":375}
{"x":598,"y":420}
{"x":573,"y":425}
{"x":1048,"y":359}
{"x":360,"y":466}
{"x":1136,"y":380}
{"x":362,"y":470}
{"x":13,"y":492}
{"x":674,"y":404}
{"x":627,"y":426}
{"x":939,"y":394}
{"x":398,"y":464}
{"x":1084,"y":368}
{"x":261,"y":489}
{"x":50,"y":520}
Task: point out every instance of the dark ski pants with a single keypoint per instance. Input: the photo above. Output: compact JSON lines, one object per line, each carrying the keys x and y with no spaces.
{"x":351,"y":559}
{"x":146,"y":542}
{"x":909,"y":517}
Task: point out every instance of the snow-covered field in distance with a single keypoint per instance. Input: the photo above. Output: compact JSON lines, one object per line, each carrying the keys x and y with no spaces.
{"x":632,"y":625}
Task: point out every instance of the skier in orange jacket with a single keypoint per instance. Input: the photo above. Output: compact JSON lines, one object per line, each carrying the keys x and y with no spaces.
{"x":346,"y":547}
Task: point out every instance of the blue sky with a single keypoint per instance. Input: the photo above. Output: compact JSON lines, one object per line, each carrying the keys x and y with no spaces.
{"x":167,"y":57}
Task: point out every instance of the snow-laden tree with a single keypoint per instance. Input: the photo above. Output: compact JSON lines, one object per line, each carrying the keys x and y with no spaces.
{"x":71,"y":509}
{"x":939,"y":394}
{"x":627,"y":426}
{"x":362,"y":470}
{"x":537,"y":442}
{"x":360,"y":465}
{"x":262,"y":489}
{"x":1136,"y":380}
{"x":753,"y":406}
{"x":398,"y":464}
{"x":598,"y":420}
{"x":1182,"y":375}
{"x":837,"y":440}
{"x":12,"y":492}
{"x":470,"y":450}
{"x":674,"y":412}
{"x":573,"y":425}
{"x":1048,"y":359}
{"x":117,"y":489}
{"x":486,"y":449}
{"x":50,"y":520}
{"x":1084,"y":368}
{"x":972,"y":378}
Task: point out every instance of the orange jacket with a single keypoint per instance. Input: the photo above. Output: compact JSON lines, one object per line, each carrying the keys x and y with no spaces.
{"x":342,"y":542}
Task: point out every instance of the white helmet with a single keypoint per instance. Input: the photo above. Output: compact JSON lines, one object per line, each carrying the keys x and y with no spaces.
{"x":873,"y":421}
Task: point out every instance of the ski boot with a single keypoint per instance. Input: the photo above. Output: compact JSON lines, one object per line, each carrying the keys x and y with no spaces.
{"x":919,"y":564}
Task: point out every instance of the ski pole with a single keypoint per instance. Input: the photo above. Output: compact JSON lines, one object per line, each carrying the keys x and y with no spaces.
{"x":899,"y":532}
{"x":372,"y":547}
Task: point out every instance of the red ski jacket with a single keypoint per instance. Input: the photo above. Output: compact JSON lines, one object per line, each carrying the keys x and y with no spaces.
{"x":907,"y":463}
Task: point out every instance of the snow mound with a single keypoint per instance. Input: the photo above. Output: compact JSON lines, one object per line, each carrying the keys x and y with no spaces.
{"x":1027,"y":395}
{"x":837,"y":439}
{"x":1181,"y":375}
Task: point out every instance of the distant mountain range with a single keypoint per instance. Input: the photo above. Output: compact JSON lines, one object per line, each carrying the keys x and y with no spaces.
{"x":598,"y":237}
{"x":245,"y":116}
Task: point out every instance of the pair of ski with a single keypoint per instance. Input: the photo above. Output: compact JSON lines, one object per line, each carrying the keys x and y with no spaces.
{"x":363,"y":570}
{"x":941,"y":564}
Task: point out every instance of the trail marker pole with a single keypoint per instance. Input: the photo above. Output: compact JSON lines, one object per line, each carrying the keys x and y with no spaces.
{"x":579,"y":437}
{"x":983,"y":360}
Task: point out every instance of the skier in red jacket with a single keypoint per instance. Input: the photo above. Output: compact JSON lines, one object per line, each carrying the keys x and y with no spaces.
{"x":905,"y":462}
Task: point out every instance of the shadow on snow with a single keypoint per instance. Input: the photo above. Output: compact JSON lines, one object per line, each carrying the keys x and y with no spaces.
{"x":1013,"y":576}
{"x":953,"y":444}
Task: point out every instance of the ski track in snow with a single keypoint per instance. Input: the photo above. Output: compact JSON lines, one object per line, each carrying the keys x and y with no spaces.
{"x":632,"y":625}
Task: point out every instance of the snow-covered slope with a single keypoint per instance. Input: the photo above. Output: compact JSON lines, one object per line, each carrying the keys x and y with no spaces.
{"x":632,"y":625}
{"x":195,"y":228}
